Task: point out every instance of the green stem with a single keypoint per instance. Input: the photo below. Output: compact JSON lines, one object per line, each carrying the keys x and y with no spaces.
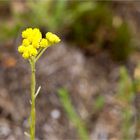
{"x":40,"y":53}
{"x":33,"y":115}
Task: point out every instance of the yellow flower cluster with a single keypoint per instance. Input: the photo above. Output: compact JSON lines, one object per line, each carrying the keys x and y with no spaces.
{"x":33,"y":42}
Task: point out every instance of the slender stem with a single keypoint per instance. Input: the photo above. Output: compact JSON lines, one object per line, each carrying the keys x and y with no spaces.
{"x":33,"y":115}
{"x":41,"y":52}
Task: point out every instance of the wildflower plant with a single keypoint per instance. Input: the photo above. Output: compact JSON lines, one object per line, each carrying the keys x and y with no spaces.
{"x":31,"y":49}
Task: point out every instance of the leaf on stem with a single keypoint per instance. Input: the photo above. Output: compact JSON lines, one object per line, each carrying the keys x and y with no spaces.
{"x":38,"y":90}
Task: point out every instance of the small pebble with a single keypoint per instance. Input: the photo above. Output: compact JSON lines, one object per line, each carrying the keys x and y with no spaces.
{"x":55,"y":114}
{"x":4,"y":130}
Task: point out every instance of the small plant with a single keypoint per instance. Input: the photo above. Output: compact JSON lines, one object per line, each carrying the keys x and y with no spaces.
{"x":125,"y":96}
{"x":121,"y":42}
{"x":99,"y":103}
{"x":72,"y":115}
{"x":137,"y":100}
{"x":126,"y":89}
{"x":33,"y":46}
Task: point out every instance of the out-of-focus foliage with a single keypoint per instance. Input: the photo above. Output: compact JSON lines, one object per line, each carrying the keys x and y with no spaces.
{"x":89,"y":24}
{"x":7,"y":29}
{"x":137,"y":101}
{"x":72,"y":115}
{"x":137,"y":78}
{"x":99,"y":103}
{"x":99,"y":28}
{"x":121,"y":44}
{"x":125,"y":87}
{"x":126,"y":94}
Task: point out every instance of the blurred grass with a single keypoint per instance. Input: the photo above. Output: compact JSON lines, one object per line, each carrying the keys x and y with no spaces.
{"x":72,"y":115}
{"x":126,"y":95}
{"x":125,"y":87}
{"x":99,"y":103}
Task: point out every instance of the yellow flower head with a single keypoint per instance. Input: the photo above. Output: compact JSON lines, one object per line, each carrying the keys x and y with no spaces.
{"x":44,"y":43}
{"x":52,"y":38}
{"x":25,"y":55}
{"x":21,"y":49}
{"x":25,"y":42}
{"x":33,"y":42}
{"x":26,"y":33}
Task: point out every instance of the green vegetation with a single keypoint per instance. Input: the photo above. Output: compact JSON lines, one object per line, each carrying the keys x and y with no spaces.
{"x":72,"y":115}
{"x":121,"y":44}
{"x":98,"y":28}
{"x":125,"y":88}
{"x":99,"y":103}
{"x":126,"y":95}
